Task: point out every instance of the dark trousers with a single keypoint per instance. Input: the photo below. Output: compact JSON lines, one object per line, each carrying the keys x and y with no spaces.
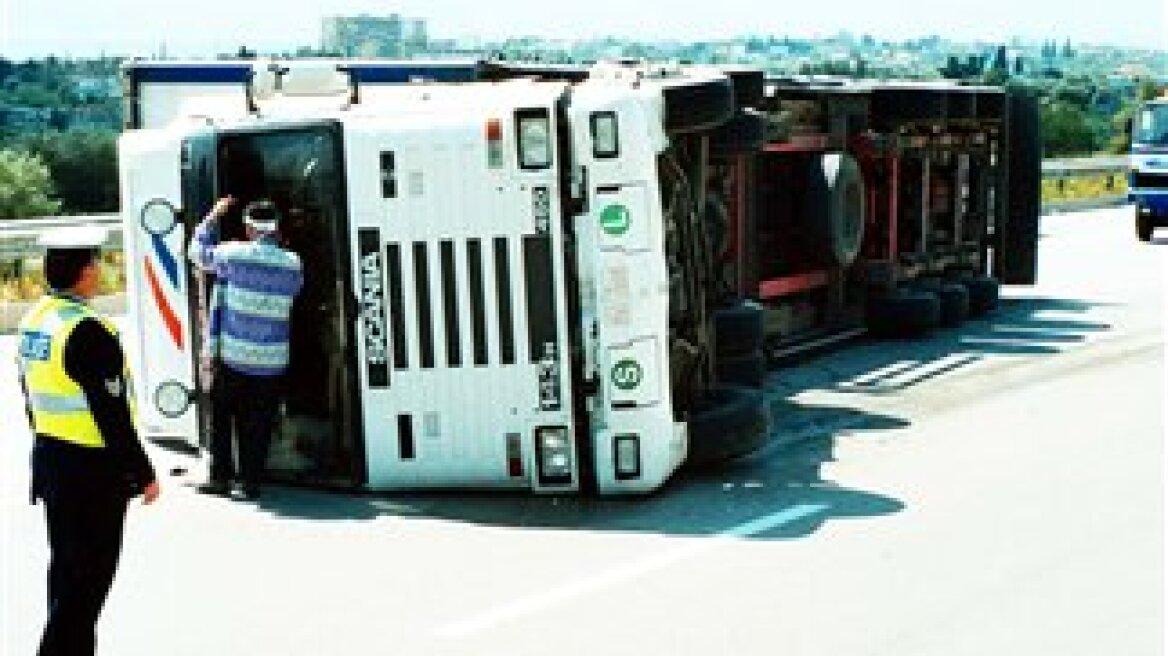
{"x":85,"y":526}
{"x":243,"y":409}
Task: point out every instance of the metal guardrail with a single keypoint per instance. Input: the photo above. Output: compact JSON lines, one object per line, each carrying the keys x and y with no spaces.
{"x":18,"y":238}
{"x":1061,"y":170}
{"x":1072,"y":166}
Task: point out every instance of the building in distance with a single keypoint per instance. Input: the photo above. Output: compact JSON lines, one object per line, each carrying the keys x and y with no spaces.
{"x":374,"y":36}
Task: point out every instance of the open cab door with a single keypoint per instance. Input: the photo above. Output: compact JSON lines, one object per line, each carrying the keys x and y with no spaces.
{"x":158,"y":337}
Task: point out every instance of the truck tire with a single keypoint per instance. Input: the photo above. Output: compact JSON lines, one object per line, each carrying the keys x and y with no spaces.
{"x":738,"y":329}
{"x":954,"y":298}
{"x":749,"y":86}
{"x":983,"y":294}
{"x":748,"y":369}
{"x":1144,"y":226}
{"x":729,"y":422}
{"x":692,"y":104}
{"x":745,"y":133}
{"x":983,"y":290}
{"x":834,"y":208}
{"x":905,"y":313}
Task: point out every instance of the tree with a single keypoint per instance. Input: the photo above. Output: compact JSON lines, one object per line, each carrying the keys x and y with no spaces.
{"x":83,"y":164}
{"x":1066,"y":131}
{"x":25,"y":186}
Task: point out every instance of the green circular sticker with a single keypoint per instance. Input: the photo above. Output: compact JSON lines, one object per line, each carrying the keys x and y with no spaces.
{"x":627,"y":374}
{"x":615,"y":220}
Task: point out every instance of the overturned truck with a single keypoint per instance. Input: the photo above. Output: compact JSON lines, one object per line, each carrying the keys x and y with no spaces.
{"x":507,"y":280}
{"x":559,"y":279}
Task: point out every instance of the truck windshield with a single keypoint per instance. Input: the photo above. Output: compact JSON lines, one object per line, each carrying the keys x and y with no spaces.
{"x":1151,"y":126}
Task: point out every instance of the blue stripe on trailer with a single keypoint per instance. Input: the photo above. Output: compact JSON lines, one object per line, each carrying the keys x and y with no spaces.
{"x":369,"y":73}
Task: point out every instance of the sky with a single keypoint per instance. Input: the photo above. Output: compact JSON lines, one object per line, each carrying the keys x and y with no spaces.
{"x":85,"y":28}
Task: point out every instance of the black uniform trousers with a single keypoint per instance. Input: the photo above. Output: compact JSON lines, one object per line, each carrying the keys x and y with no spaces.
{"x":85,"y":517}
{"x":245,"y":407}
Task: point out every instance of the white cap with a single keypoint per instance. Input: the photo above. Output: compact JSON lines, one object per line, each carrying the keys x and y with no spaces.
{"x":74,"y":237}
{"x":270,"y":220}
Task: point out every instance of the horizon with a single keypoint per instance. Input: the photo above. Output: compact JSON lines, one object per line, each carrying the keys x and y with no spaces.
{"x":30,"y":30}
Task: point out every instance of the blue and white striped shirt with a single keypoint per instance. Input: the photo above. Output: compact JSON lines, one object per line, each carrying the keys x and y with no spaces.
{"x":251,"y":305}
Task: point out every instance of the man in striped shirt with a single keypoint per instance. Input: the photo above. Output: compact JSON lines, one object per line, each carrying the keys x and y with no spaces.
{"x":249,"y":326}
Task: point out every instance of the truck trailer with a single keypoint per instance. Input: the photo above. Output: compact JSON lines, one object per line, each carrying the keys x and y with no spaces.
{"x":870,"y":207}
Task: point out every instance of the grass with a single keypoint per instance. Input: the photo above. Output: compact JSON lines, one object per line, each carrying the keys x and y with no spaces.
{"x":1083,"y":187}
{"x":23,"y":281}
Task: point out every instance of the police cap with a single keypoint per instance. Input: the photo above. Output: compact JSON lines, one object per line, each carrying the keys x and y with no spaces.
{"x":69,"y":238}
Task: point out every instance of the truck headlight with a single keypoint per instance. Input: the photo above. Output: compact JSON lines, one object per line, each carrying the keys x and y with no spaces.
{"x":553,"y":449}
{"x":626,"y":456}
{"x":534,"y":137}
{"x":605,"y":135}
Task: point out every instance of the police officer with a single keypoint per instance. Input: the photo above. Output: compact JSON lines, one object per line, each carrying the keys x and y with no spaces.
{"x":87,"y":460}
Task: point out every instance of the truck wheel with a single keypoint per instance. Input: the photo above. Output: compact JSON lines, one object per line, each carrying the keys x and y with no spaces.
{"x":738,"y":329}
{"x":693,"y":105}
{"x":749,"y":85}
{"x":904,"y":313}
{"x":983,"y":294}
{"x":983,"y":291}
{"x":834,"y":207}
{"x":746,"y":369}
{"x":729,"y":422}
{"x":954,"y":298}
{"x":1144,"y":226}
{"x":743,"y":134}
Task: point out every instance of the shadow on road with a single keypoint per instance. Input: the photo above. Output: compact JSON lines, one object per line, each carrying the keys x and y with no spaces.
{"x":1021,"y":326}
{"x":787,"y":474}
{"x":693,"y":503}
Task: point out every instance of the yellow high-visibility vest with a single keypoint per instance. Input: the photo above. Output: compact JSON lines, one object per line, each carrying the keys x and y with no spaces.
{"x":59,"y":407}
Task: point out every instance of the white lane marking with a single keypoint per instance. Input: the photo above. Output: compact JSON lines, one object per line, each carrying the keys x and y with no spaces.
{"x":624,"y":573}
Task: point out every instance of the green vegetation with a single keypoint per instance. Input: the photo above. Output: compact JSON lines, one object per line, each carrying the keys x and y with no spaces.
{"x":64,"y":116}
{"x":83,"y":164}
{"x":24,"y":282}
{"x":1083,"y":187}
{"x":25,"y":186}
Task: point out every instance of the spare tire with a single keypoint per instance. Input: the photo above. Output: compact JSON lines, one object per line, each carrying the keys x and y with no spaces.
{"x":728,"y":422}
{"x":834,"y":207}
{"x":694,"y":104}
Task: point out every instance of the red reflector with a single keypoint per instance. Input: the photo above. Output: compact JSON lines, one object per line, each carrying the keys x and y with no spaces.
{"x":514,"y":455}
{"x":494,"y":130}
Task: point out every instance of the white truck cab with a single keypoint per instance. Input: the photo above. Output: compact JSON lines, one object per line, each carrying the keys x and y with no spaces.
{"x":495,"y":293}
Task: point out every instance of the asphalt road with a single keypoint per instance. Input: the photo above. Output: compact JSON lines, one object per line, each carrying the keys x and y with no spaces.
{"x":997,"y":489}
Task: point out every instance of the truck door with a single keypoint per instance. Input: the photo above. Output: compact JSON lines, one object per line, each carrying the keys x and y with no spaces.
{"x":158,"y":337}
{"x":298,"y":167}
